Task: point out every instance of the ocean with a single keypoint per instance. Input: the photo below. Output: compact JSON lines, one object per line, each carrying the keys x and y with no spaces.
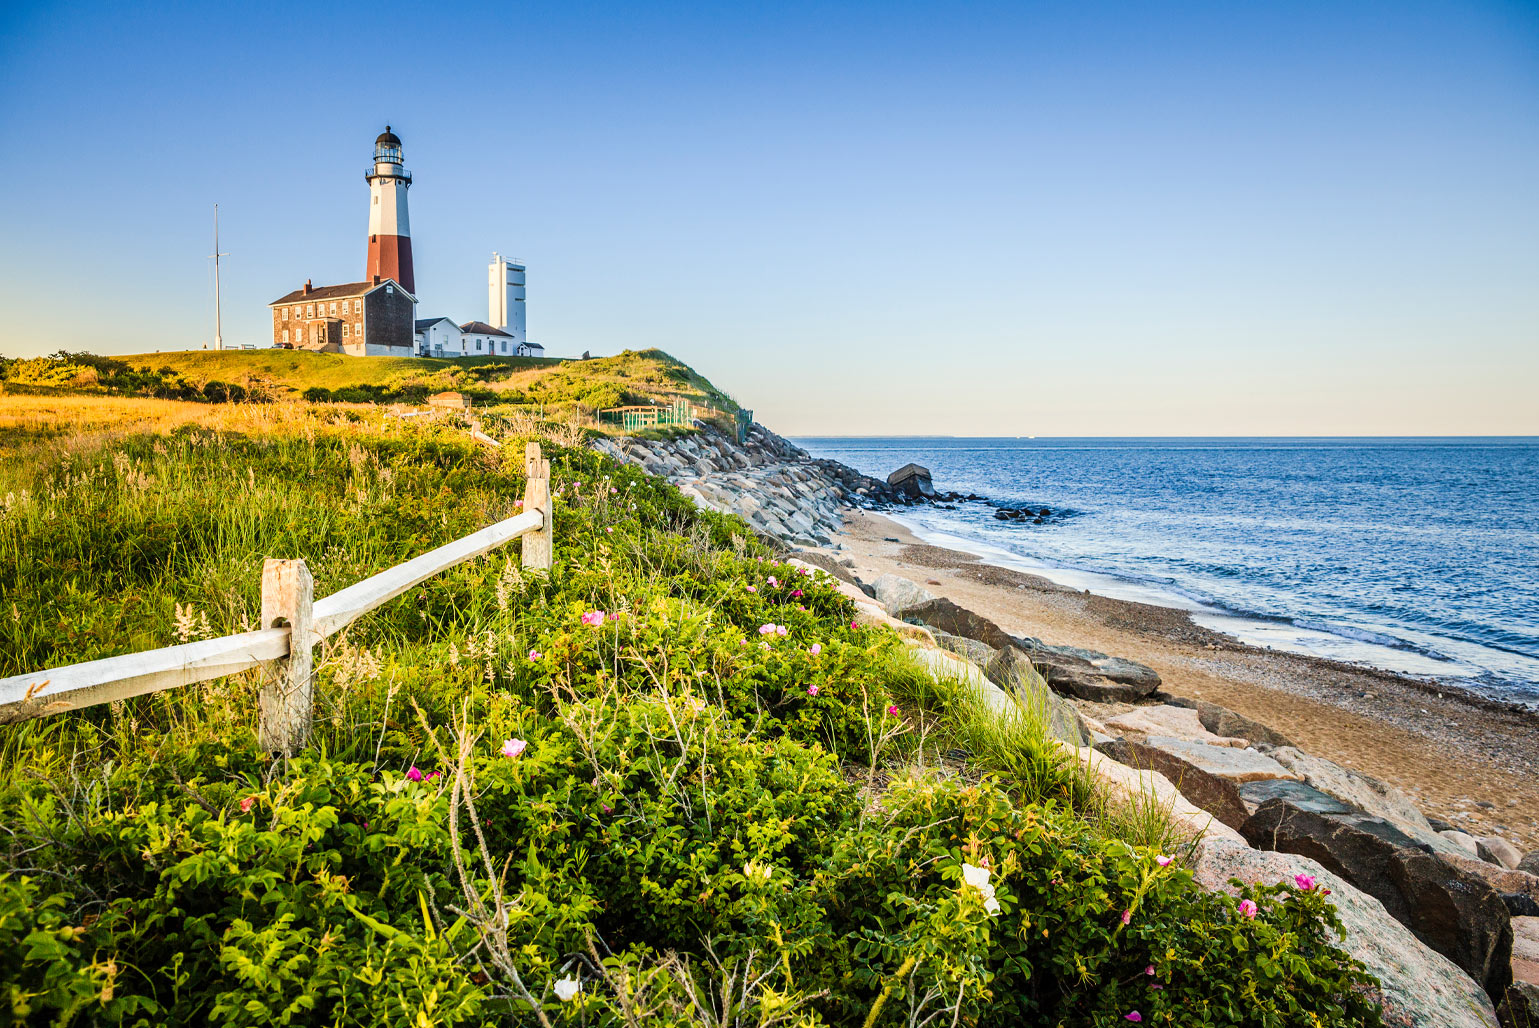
{"x":1414,"y":555}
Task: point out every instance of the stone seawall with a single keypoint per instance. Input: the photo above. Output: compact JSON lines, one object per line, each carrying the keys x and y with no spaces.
{"x":776,"y":486}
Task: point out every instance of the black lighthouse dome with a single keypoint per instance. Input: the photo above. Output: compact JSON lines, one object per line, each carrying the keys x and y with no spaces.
{"x":388,"y":139}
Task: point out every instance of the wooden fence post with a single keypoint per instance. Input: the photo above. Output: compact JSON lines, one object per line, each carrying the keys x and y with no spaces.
{"x":287,"y":597}
{"x":539,"y":548}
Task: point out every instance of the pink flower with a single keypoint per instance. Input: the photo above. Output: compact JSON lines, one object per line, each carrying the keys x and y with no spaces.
{"x":512,"y":747}
{"x":781,"y":629}
{"x":854,"y":625}
{"x":892,"y":710}
{"x":1248,"y":909}
{"x":812,"y":690}
{"x":815,"y":649}
{"x":606,"y":808}
{"x":414,"y":775}
{"x":610,"y":530}
{"x":246,"y":804}
{"x":593,"y":618}
{"x":1305,"y":882}
{"x":535,"y":654}
{"x":1132,"y":1015}
{"x":432,"y":775}
{"x":1163,"y":860}
{"x":615,"y":616}
{"x":1149,"y":970}
{"x":797,"y":594}
{"x":518,"y":503}
{"x":753,"y":588}
{"x":1127,"y":917}
{"x":768,"y":629}
{"x":771,"y":580}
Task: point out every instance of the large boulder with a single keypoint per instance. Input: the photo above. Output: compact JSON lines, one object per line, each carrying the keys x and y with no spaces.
{"x":1098,"y":678}
{"x":1223,"y":721}
{"x":942,"y":615}
{"x":1229,"y":762}
{"x":912,"y":480}
{"x":1455,"y":912}
{"x":1418,"y":986}
{"x":1498,"y":851}
{"x":975,"y":651}
{"x":1358,"y":790}
{"x":1170,"y":722}
{"x":1216,"y":795}
{"x":1519,"y":890}
{"x":1128,"y":785}
{"x":897,"y":593}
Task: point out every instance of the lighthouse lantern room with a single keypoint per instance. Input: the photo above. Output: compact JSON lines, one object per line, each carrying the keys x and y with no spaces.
{"x":389,"y":226}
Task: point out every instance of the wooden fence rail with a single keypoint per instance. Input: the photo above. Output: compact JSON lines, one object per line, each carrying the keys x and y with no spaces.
{"x":295,"y":623}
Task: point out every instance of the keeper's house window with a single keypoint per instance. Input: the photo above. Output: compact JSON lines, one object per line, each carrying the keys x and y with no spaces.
{"x":285,"y":314}
{"x":357,"y":306}
{"x":344,"y":330}
{"x":358,"y":328}
{"x":285,"y":335}
{"x":478,"y":344}
{"x":309,"y":310}
{"x":333,"y":310}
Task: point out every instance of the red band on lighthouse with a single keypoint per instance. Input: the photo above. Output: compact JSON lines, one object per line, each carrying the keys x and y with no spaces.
{"x":390,"y":257}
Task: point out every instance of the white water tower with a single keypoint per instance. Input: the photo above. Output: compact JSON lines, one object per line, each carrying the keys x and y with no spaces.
{"x":505,"y":297}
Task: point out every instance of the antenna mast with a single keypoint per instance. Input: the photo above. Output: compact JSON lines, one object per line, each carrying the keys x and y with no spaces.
{"x":218,"y":338}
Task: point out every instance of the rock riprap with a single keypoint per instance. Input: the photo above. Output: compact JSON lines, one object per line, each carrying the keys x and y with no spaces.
{"x":1451,"y":910}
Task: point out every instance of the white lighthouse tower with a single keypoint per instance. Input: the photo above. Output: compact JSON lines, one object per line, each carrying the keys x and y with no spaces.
{"x":505,"y":297}
{"x":389,"y":226}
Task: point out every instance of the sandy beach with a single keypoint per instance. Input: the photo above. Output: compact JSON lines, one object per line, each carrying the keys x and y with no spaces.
{"x":1466,"y":760}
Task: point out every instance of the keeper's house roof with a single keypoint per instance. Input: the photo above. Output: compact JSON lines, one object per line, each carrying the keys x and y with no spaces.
{"x":481,"y":328}
{"x":423,"y":326}
{"x":351,"y":289}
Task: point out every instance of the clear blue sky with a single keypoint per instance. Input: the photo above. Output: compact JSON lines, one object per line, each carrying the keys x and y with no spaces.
{"x":1050,"y":219}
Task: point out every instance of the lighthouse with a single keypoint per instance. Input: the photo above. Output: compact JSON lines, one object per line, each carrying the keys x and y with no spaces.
{"x":389,"y":227}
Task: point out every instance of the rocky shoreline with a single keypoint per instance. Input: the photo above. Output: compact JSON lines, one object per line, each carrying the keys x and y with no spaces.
{"x":1448,"y":919}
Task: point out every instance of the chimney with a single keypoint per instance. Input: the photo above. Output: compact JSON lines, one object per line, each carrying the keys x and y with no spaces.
{"x":308,"y":287}
{"x":376,"y":280}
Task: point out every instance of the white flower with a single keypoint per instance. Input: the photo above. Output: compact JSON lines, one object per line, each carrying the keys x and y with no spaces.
{"x":567,"y":988}
{"x":977,"y":877}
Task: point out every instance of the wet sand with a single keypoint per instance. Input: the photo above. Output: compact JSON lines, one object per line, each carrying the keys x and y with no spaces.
{"x":1467,"y":760}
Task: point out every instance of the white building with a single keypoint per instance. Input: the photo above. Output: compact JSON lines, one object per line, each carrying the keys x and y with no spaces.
{"x":505,"y":297}
{"x":503,"y":334}
{"x":439,"y":337}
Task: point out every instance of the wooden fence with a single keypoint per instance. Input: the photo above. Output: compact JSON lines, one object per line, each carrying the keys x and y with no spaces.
{"x":293,"y":624}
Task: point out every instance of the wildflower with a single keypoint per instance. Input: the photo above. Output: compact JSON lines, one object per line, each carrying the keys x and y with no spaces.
{"x":615,"y":616}
{"x":754,"y":869}
{"x":892,"y":710}
{"x":518,"y":503}
{"x":1149,"y":970}
{"x":610,"y":530}
{"x":768,"y":629}
{"x":812,"y":690}
{"x":535,"y":655}
{"x":246,"y":804}
{"x":1127,"y":917}
{"x":414,"y":775}
{"x":815,"y":649}
{"x":781,"y":629}
{"x":1248,"y":909}
{"x":1163,"y":860}
{"x":854,"y":625}
{"x":567,"y":989}
{"x":606,"y":808}
{"x":593,"y":618}
{"x":771,"y":580}
{"x":1133,"y":1015}
{"x":432,"y":775}
{"x":978,"y":878}
{"x":753,"y":588}
{"x":513,"y":747}
{"x":1305,"y":882}
{"x":797,"y":594}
